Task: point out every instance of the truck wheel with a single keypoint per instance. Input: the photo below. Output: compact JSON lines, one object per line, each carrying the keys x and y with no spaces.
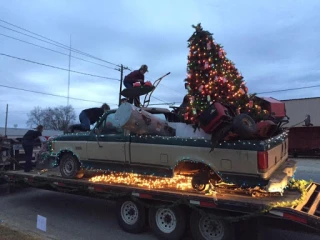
{"x":197,"y":183}
{"x":70,"y":167}
{"x":167,"y":223}
{"x":131,"y":216}
{"x":244,"y":125}
{"x":208,"y":228}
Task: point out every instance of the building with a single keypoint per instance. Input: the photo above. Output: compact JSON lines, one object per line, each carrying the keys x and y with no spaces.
{"x":297,"y":109}
{"x":19,"y":132}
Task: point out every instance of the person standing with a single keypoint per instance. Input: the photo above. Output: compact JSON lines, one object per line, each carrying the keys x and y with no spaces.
{"x":28,"y":144}
{"x":91,"y":115}
{"x":133,"y":77}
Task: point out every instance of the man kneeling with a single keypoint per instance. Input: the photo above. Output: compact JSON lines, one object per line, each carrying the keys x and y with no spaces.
{"x":91,"y":115}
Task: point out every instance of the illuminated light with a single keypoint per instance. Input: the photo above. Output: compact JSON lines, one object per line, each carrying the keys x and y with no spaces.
{"x":150,"y":182}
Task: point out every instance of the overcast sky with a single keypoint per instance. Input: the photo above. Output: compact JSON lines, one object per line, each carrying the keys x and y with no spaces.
{"x":274,"y":44}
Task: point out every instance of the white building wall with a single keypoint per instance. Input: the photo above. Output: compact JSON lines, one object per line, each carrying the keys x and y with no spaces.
{"x":297,"y":109}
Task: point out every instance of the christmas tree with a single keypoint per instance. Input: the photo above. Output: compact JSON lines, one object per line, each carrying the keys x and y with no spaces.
{"x":212,"y":77}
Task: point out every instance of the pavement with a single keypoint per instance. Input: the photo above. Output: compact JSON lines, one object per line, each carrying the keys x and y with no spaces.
{"x":81,"y":218}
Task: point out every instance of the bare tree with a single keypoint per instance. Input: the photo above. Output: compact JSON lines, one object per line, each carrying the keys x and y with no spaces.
{"x":57,"y":118}
{"x":36,"y":117}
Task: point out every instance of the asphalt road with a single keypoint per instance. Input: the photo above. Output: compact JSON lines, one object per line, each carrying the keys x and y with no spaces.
{"x":73,"y":217}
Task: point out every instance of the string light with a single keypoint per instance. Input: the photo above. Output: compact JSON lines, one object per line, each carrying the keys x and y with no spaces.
{"x":208,"y":60}
{"x":177,"y":182}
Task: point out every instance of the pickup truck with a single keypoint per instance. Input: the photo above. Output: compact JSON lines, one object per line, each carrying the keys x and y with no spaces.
{"x":247,"y":163}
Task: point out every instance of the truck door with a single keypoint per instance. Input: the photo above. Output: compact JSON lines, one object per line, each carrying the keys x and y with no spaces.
{"x":107,"y":146}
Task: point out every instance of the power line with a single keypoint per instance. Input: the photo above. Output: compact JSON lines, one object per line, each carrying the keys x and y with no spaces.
{"x":66,"y":48}
{"x":158,"y":99}
{"x":48,"y":94}
{"x":60,"y":45}
{"x":165,"y":103}
{"x":53,"y":41}
{"x":290,"y":89}
{"x":56,"y":95}
{"x":115,"y":104}
{"x":52,"y":50}
{"x":64,"y":69}
{"x":274,"y":91}
{"x":161,"y":84}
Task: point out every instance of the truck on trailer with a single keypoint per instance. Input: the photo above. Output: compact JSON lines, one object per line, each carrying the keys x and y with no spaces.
{"x":108,"y":150}
{"x":247,"y":163}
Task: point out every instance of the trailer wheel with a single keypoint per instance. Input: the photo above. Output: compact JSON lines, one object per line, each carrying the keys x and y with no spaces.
{"x":244,"y":125}
{"x":131,"y":216}
{"x":70,"y":166}
{"x":167,"y":223}
{"x":208,"y":228}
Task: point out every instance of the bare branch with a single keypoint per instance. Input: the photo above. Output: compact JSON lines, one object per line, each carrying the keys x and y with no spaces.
{"x":58,"y":118}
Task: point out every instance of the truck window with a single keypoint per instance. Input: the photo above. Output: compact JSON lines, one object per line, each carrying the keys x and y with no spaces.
{"x":109,"y":125}
{"x":160,"y":116}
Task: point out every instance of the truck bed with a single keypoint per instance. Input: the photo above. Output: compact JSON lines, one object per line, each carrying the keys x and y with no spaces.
{"x":307,"y":213}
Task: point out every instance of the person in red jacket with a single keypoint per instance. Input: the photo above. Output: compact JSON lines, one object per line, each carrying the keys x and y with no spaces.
{"x":133,"y":77}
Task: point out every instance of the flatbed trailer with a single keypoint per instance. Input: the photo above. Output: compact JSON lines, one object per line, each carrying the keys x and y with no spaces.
{"x":168,"y":209}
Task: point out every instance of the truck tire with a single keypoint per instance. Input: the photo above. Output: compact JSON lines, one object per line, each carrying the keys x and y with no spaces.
{"x":198,"y":184}
{"x":167,"y":223}
{"x":244,"y":125}
{"x":208,"y":228}
{"x":131,"y":216}
{"x":70,"y":166}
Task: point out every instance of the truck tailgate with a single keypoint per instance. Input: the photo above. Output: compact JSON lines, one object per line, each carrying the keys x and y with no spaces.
{"x":277,"y":155}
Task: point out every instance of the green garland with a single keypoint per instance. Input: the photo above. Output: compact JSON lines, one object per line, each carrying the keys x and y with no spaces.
{"x":301,"y":186}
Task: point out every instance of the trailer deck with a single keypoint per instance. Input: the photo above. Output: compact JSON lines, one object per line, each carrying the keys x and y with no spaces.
{"x":306,"y":213}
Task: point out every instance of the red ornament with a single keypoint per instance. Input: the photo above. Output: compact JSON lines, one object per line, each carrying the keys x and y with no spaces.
{"x":148,"y":84}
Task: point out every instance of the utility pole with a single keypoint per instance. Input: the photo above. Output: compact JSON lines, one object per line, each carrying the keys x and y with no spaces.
{"x":121,"y":79}
{"x":6,"y":124}
{"x":69,"y":73}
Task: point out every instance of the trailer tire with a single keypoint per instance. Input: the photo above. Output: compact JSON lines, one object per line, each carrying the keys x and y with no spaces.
{"x":70,"y":167}
{"x":244,"y":125}
{"x":167,"y":223}
{"x":208,"y":228}
{"x":131,"y":216}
